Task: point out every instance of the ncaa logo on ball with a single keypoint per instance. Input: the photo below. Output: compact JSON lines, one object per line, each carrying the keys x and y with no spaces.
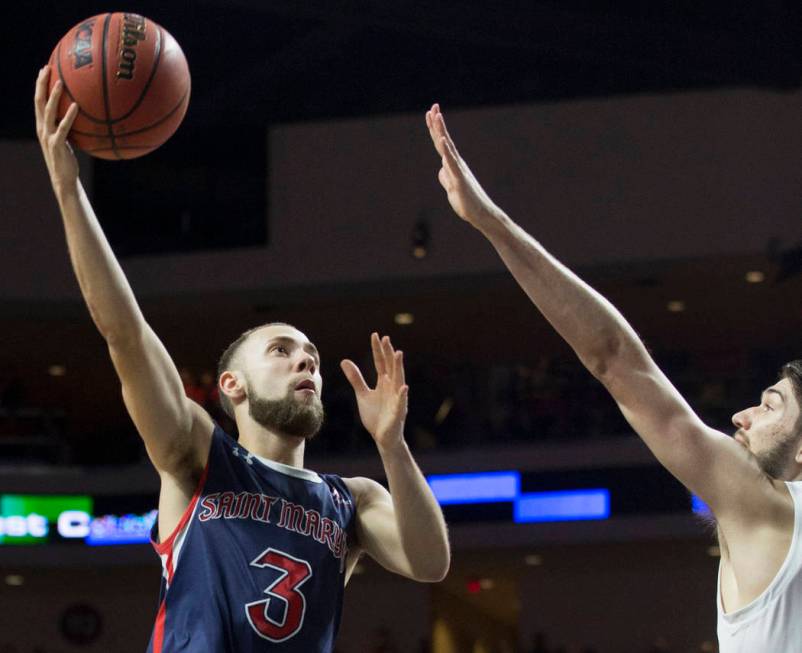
{"x":82,"y":46}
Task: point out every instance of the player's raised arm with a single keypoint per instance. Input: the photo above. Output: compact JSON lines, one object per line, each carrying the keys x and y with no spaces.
{"x":403,"y":529}
{"x":709,"y":463}
{"x":175,"y":430}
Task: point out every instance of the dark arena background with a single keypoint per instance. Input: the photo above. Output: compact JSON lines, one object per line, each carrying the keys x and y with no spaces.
{"x":655,"y":147}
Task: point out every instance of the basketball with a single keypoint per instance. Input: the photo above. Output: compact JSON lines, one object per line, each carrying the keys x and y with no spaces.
{"x":130,"y":80}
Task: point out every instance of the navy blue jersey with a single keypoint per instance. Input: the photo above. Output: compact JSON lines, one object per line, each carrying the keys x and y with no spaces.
{"x":257,"y":562}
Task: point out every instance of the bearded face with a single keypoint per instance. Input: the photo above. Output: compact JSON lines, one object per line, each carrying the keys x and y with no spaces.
{"x":774,"y":461}
{"x":291,"y":416}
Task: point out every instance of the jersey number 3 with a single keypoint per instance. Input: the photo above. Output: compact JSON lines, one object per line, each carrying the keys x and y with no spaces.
{"x":295,"y":573}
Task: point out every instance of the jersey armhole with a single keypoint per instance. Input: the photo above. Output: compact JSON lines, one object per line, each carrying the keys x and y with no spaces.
{"x":165,"y":547}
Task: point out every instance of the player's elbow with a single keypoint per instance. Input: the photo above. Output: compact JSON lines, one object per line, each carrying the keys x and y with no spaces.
{"x":433,"y":569}
{"x":433,"y":576}
{"x":617,"y":361}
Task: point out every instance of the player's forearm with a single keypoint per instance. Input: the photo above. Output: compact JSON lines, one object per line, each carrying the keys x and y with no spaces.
{"x":105,"y":289}
{"x":420,"y":521}
{"x":590,"y":324}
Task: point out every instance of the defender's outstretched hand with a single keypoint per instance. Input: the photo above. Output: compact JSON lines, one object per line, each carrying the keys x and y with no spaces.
{"x":466,"y":196}
{"x":382,"y":409}
{"x":61,"y":162}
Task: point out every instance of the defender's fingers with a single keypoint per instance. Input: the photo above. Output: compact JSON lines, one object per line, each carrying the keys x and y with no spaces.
{"x":378,"y":357}
{"x":441,"y":123}
{"x":66,"y":123}
{"x":450,"y":159}
{"x":51,"y":108}
{"x":435,"y":132}
{"x":40,"y":94}
{"x":400,"y":376}
{"x":354,"y":376}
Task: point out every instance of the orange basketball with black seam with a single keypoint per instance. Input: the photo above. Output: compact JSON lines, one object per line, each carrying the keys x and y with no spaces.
{"x":130,"y":80}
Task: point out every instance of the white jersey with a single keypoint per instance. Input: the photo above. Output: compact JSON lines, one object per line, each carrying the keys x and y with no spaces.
{"x":772,"y":623}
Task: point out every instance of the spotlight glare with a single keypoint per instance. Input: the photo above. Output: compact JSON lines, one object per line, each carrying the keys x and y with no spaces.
{"x":57,"y":370}
{"x":444,"y":410}
{"x":676,"y":306}
{"x":404,"y":319}
{"x":15,"y":580}
{"x":755,"y":276}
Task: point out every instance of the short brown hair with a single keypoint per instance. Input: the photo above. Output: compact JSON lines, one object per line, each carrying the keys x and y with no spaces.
{"x":228,"y":355}
{"x":793,"y":372}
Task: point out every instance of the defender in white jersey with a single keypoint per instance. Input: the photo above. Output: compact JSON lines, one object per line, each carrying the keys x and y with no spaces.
{"x":742,"y":478}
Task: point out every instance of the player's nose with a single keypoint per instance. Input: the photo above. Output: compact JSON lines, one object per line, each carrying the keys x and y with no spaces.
{"x":741,"y":419}
{"x":305,"y":362}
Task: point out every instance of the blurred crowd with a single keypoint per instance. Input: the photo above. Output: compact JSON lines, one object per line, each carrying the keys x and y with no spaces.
{"x":451,"y":405}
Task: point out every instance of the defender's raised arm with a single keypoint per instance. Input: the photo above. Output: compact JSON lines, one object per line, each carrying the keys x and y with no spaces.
{"x":703,"y":459}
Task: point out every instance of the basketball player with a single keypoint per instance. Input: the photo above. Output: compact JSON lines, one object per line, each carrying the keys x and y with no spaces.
{"x":752,"y":481}
{"x":256,"y":549}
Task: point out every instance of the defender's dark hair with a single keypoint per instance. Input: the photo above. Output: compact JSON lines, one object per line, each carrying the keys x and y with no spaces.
{"x":228,"y":355}
{"x":793,"y":372}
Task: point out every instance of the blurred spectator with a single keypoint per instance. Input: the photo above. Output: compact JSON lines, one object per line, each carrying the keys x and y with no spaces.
{"x":192,"y":388}
{"x":539,"y":643}
{"x":660,"y":645}
{"x":383,"y":641}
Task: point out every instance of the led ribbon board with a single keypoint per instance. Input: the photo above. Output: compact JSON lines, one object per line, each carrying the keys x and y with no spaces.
{"x":121,"y":529}
{"x":486,"y":487}
{"x":499,"y":487}
{"x":38,"y":519}
{"x":35,"y":519}
{"x":565,"y":505}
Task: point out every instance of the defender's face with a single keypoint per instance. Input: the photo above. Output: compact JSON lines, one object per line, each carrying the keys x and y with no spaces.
{"x":279,"y":362}
{"x":769,"y":427}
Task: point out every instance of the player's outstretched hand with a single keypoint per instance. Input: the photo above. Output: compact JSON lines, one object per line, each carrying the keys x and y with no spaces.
{"x":465,"y":194}
{"x":61,"y":162}
{"x":382,"y":409}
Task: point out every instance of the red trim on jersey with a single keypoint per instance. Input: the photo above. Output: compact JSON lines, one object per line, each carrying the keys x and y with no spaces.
{"x":158,"y":629}
{"x":166,"y":547}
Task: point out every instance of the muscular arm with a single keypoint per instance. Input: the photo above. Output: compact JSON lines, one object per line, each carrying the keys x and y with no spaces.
{"x":170,"y":425}
{"x":709,"y":463}
{"x":403,"y":529}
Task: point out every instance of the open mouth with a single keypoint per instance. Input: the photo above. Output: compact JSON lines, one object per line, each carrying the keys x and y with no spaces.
{"x":307,"y":385}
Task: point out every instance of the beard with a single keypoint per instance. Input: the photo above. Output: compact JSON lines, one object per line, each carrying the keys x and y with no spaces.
{"x":288,"y":416}
{"x":774,"y":461}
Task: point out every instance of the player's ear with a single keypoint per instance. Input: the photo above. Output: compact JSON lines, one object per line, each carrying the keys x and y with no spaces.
{"x":231,"y":385}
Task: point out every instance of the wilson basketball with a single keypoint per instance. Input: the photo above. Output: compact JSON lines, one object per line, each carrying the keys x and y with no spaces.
{"x":130,"y":80}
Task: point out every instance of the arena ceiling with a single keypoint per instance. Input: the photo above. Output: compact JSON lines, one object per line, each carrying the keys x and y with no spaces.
{"x":256,"y":62}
